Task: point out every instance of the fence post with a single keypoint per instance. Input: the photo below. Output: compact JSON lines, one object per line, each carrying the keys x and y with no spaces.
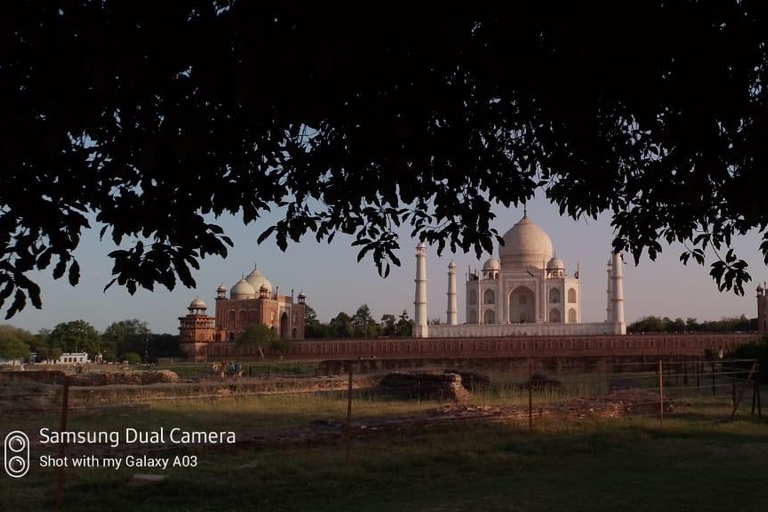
{"x":661,"y":395}
{"x":530,"y":397}
{"x":698,"y":374}
{"x":676,"y":366}
{"x":755,"y":394}
{"x":349,"y":412}
{"x":62,"y":445}
{"x":757,"y":382}
{"x":746,"y":382}
{"x":733,"y":384}
{"x":714,"y":393}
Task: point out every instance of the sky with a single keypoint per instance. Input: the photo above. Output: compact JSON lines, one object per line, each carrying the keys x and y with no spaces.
{"x":334,"y":281}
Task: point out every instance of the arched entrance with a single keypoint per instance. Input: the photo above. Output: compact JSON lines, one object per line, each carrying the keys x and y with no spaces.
{"x":284,"y":329}
{"x":522,"y":305}
{"x":554,"y":316}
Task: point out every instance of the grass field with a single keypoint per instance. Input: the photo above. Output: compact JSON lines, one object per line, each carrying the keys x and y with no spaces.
{"x":697,"y":462}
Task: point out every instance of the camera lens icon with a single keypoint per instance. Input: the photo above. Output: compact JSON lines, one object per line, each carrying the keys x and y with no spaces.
{"x":16,"y":454}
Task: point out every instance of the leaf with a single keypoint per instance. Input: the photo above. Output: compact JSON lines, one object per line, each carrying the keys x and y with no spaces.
{"x":74,"y":273}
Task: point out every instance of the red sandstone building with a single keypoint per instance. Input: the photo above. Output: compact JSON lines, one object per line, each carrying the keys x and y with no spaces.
{"x":762,"y":309}
{"x":251,"y":302}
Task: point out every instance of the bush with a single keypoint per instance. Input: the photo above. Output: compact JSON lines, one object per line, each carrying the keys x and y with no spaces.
{"x":131,"y":357}
{"x":757,"y":351}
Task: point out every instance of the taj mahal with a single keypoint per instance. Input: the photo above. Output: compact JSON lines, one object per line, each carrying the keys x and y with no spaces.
{"x":525,"y":292}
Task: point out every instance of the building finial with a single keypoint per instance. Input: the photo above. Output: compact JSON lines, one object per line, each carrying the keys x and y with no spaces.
{"x":525,"y":210}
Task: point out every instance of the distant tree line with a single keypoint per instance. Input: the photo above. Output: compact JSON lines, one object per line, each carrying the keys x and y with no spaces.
{"x":129,"y":340}
{"x":132,"y":339}
{"x":362,"y":324}
{"x":666,"y":324}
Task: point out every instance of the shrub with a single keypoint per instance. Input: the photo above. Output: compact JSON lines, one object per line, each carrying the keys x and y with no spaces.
{"x":131,"y":357}
{"x":757,"y":351}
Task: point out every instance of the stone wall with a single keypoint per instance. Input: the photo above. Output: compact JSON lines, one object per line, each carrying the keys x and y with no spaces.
{"x":509,"y":330}
{"x":485,"y":347}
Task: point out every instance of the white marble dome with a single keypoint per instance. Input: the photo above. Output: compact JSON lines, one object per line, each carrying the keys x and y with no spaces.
{"x":555,"y":264}
{"x":242,"y":290}
{"x":492,"y":264}
{"x":525,"y":245}
{"x":257,"y":280}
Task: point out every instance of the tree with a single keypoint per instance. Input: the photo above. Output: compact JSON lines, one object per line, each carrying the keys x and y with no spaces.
{"x":363,"y":323}
{"x":312,"y":326}
{"x":164,"y":345}
{"x":420,"y":119}
{"x":648,"y":324}
{"x":75,"y":336}
{"x":16,"y":334}
{"x":678,"y":325}
{"x":126,"y":336}
{"x":388,"y":324}
{"x":404,"y":325}
{"x":341,"y":326}
{"x":656,"y":324}
{"x":258,"y":336}
{"x":13,"y":349}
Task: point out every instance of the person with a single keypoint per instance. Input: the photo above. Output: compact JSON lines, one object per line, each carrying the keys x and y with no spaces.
{"x":720,"y":353}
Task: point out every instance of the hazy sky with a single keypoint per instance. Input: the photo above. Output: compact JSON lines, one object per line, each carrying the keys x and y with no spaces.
{"x":333,"y":280}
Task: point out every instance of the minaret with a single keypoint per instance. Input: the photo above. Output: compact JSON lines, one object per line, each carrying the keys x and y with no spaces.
{"x":453,"y":310}
{"x":608,"y":317}
{"x":617,"y":294}
{"x":420,"y":328}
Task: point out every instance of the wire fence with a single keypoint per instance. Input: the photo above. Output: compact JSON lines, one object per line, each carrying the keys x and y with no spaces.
{"x":660,"y":388}
{"x":533,"y":390}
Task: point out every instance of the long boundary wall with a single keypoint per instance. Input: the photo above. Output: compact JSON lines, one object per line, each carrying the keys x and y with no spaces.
{"x":517,"y":330}
{"x":529,"y":347}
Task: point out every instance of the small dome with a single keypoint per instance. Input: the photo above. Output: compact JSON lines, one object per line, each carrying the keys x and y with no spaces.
{"x":221,"y":289}
{"x":492,"y":264}
{"x":197,"y":304}
{"x":257,"y":280}
{"x":302,"y":295}
{"x":264,"y":288}
{"x":242,"y":290}
{"x":525,"y":245}
{"x":555,"y":264}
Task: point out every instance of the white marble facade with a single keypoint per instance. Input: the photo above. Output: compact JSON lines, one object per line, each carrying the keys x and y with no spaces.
{"x":526,"y":291}
{"x":527,"y":284}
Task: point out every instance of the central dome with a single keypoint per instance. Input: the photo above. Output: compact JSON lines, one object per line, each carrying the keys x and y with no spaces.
{"x":257,"y":280}
{"x":525,"y":245}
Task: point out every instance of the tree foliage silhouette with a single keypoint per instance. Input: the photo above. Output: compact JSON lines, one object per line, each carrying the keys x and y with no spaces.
{"x":148,"y":116}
